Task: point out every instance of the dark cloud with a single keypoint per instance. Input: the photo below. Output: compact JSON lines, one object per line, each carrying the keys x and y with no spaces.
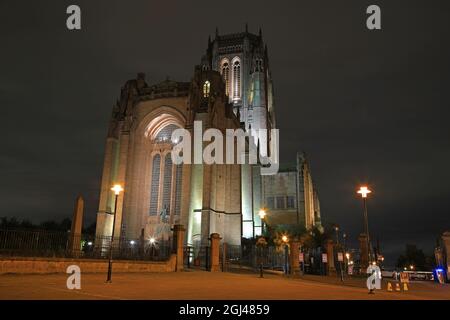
{"x":366,"y":106}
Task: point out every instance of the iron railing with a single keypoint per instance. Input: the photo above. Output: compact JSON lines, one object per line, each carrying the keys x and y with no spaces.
{"x":41,"y":243}
{"x":269,"y":257}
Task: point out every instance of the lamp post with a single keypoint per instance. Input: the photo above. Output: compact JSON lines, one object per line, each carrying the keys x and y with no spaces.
{"x":336,"y":228}
{"x":344,"y":249}
{"x":364,"y":191}
{"x":152,"y":247}
{"x":285,"y":240}
{"x":262,"y":214}
{"x":117,"y":190}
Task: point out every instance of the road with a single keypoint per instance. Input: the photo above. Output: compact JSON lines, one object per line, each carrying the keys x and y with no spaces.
{"x":204,"y":285}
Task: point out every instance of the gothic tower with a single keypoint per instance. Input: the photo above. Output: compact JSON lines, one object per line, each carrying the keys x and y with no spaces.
{"x":242,"y":60}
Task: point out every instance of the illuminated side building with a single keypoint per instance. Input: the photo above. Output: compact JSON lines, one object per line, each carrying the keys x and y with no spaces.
{"x":290,"y":196}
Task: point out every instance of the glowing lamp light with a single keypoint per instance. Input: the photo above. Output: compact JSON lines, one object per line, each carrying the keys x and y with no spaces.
{"x":364,"y":191}
{"x":284,"y":238}
{"x":152,"y":240}
{"x":117,"y":189}
{"x":262,"y":213}
{"x":89,"y":243}
{"x":132,"y":242}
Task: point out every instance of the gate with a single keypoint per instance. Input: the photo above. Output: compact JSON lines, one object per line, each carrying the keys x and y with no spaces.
{"x":252,"y":257}
{"x":197,"y":257}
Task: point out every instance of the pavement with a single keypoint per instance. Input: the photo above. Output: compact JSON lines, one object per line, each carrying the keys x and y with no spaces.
{"x":202,"y":285}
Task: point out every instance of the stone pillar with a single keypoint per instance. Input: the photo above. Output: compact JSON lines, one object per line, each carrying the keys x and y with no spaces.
{"x":439,"y":257}
{"x":77,"y":225}
{"x":105,"y":202}
{"x":363,"y":253}
{"x":330,"y":257}
{"x":446,"y":249}
{"x":215,"y":252}
{"x":178,"y":240}
{"x":294,"y":257}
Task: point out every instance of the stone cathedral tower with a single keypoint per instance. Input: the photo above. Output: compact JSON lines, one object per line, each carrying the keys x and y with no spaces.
{"x":242,"y":60}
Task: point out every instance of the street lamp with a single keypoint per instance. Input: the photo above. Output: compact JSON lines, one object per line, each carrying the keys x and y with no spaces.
{"x":344,"y":249}
{"x":117,"y":190}
{"x":364,"y":191}
{"x":285,"y":240}
{"x":336,"y":228}
{"x":262,"y":214}
{"x":152,"y":247}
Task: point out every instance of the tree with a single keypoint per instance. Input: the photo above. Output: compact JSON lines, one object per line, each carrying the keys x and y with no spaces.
{"x":90,"y":229}
{"x":315,"y":237}
{"x":414,"y":257}
{"x":49,"y":225}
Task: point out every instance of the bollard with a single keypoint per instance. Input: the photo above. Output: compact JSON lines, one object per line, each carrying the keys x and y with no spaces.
{"x":389,"y":287}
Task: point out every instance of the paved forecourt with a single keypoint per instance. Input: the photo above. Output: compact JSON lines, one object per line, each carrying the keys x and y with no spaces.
{"x":202,"y":285}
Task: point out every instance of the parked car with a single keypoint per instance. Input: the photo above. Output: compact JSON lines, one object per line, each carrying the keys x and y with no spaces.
{"x":388,"y":273}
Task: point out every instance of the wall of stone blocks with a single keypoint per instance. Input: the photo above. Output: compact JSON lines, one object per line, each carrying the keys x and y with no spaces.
{"x":29,"y":265}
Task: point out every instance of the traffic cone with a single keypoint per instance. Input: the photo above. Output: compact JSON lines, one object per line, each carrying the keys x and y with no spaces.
{"x":405,"y":287}
{"x":389,"y":287}
{"x":397,"y":286}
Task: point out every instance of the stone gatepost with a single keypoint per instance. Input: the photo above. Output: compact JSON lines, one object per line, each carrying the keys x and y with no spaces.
{"x":446,"y":248}
{"x":76,"y":228}
{"x":329,"y":245}
{"x":215,"y":252}
{"x":294,"y":257}
{"x":178,"y":239}
{"x":363,"y":253}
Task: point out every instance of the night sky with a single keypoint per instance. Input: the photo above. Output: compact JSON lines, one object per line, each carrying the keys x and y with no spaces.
{"x":366,"y":106}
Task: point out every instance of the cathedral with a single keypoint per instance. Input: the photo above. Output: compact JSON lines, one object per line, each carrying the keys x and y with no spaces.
{"x":231,"y":88}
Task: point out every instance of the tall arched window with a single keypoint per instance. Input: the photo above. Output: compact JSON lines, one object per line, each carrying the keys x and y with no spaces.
{"x":236,"y":79}
{"x":258,"y":65}
{"x":178,"y":179}
{"x":225,"y":70}
{"x":154,"y":188}
{"x":206,"y":89}
{"x":167,"y":184}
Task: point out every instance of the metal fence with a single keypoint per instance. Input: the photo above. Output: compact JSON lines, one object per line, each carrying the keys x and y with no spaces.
{"x":39,"y":243}
{"x":197,"y":257}
{"x":269,"y":257}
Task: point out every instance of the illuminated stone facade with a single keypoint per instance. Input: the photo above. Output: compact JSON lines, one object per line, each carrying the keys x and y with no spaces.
{"x":290,"y":196}
{"x":230,"y":89}
{"x":158,"y":194}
